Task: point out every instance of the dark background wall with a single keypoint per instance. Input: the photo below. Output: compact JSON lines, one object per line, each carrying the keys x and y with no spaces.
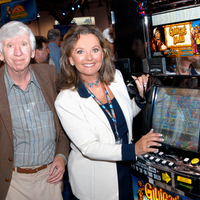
{"x":127,"y":25}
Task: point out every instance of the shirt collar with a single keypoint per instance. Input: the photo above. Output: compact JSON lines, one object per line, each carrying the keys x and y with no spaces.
{"x":52,"y":44}
{"x":82,"y":90}
{"x":10,"y":83}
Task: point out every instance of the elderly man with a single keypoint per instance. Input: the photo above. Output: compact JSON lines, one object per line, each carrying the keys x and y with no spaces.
{"x":33,"y":146}
{"x":42,"y":51}
{"x":53,"y":36}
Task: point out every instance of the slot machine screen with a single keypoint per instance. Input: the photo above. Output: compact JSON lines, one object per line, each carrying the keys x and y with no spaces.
{"x":176,"y":115}
{"x":173,"y":40}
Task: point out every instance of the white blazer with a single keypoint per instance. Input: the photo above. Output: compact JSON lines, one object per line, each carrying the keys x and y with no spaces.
{"x":92,"y":160}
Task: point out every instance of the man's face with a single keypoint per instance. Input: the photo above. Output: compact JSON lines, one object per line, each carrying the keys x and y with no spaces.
{"x":157,"y":35}
{"x":17,"y":52}
{"x":43,"y":54}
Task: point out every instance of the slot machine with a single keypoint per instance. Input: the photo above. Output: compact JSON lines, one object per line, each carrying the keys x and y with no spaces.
{"x":172,"y":109}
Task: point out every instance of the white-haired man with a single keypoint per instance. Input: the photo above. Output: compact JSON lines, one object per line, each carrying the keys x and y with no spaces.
{"x":33,"y":146}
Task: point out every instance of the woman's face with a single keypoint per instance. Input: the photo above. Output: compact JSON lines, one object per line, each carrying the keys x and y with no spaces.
{"x":87,"y":56}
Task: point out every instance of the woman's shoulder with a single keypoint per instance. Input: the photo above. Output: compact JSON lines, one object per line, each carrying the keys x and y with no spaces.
{"x":118,"y":75}
{"x":66,"y":95}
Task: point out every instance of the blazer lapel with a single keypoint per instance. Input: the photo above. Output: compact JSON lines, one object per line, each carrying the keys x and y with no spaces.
{"x":48,"y":91}
{"x":96,"y":109}
{"x":4,"y":105}
{"x":45,"y":85}
{"x":122,"y":103}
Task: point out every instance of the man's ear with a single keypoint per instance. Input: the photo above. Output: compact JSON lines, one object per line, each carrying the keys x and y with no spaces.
{"x":1,"y":56}
{"x":36,"y":52}
{"x":33,"y":54}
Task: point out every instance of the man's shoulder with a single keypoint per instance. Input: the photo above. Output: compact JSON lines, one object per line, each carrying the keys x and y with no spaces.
{"x":44,"y":68}
{"x":53,"y":45}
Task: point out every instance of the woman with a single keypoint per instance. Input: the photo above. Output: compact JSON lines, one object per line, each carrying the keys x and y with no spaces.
{"x":90,"y":88}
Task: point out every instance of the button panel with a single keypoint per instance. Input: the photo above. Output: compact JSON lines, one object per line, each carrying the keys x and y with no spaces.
{"x":184,"y":164}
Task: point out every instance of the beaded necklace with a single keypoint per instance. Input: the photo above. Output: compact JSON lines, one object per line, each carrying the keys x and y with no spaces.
{"x":186,"y":70}
{"x":112,"y":114}
{"x":91,"y":84}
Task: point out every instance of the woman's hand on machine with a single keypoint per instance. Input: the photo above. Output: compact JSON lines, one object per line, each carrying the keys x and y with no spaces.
{"x":144,"y":145}
{"x":141,"y":83}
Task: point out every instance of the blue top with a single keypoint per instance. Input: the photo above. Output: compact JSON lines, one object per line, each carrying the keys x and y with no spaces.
{"x":55,"y":54}
{"x":193,"y":72}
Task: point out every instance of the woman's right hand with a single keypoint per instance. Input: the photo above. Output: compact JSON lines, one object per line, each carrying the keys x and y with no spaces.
{"x":144,"y":144}
{"x":141,"y":83}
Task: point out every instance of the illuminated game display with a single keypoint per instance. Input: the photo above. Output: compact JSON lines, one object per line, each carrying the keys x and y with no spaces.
{"x":176,"y":114}
{"x":176,"y":40}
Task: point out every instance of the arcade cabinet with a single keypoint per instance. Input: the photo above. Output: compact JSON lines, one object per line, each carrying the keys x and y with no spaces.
{"x":172,"y":108}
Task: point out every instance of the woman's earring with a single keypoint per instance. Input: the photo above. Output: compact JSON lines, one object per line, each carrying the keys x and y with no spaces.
{"x":72,"y":65}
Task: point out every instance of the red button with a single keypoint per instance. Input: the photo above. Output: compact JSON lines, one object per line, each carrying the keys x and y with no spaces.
{"x":6,"y":179}
{"x":10,"y":159}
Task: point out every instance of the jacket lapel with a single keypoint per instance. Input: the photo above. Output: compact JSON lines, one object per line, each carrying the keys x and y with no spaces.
{"x":48,"y":91}
{"x":122,"y":103}
{"x":90,"y":104}
{"x":4,"y":105}
{"x":95,"y":108}
{"x":45,"y":85}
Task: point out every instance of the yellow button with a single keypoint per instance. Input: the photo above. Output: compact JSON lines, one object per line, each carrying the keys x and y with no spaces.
{"x":195,"y":161}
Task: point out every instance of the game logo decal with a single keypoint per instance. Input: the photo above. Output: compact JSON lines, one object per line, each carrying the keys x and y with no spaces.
{"x":143,"y":190}
{"x":176,"y":40}
{"x":18,"y":12}
{"x":24,"y":11}
{"x":178,"y":35}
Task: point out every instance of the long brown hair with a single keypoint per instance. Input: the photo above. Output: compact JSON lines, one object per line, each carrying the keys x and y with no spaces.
{"x":69,"y":76}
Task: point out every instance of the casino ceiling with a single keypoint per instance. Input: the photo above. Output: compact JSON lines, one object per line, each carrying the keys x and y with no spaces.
{"x":65,"y":10}
{"x":155,"y":6}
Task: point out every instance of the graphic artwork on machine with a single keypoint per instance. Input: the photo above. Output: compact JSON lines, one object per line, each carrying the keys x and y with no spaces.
{"x":176,"y":40}
{"x":143,"y":190}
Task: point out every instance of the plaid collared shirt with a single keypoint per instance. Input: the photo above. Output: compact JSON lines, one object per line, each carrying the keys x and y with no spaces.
{"x":33,"y":126}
